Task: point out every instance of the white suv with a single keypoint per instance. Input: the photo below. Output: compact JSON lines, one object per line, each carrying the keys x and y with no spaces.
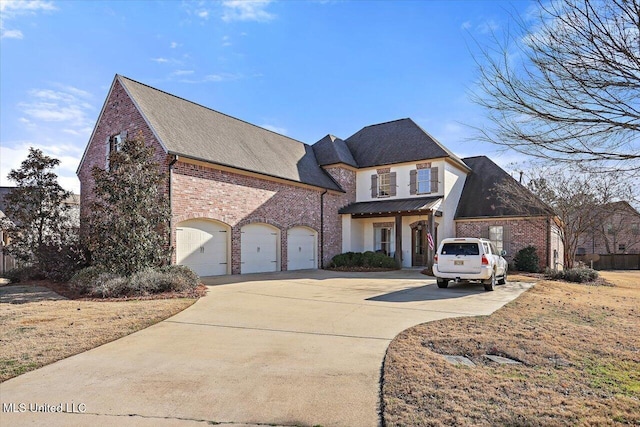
{"x":464,"y":259}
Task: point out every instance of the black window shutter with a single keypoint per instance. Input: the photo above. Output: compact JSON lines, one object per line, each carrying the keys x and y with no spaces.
{"x":413,"y":182}
{"x":434,"y":180}
{"x":374,"y":185}
{"x":392,"y":184}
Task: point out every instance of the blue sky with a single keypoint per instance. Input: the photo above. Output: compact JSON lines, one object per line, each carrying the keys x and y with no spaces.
{"x":301,"y":68}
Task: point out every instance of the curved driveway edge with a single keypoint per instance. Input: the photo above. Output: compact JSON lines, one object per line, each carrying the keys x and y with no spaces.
{"x":289,"y":348}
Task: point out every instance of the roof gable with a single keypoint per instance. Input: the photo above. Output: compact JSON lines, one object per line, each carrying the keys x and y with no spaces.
{"x":191,"y":130}
{"x":478,"y":200}
{"x":398,"y":141}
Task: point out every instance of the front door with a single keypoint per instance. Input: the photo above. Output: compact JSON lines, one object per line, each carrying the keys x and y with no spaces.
{"x":419,"y":245}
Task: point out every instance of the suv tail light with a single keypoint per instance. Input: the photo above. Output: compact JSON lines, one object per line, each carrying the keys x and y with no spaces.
{"x":435,"y":258}
{"x":485,"y":261}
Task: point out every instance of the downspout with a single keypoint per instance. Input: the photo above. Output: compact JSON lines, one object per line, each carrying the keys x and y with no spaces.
{"x":171,"y":242}
{"x":322,"y":229}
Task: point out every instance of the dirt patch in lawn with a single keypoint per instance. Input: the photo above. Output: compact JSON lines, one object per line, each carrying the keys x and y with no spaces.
{"x":580,"y":352}
{"x":39,"y":326}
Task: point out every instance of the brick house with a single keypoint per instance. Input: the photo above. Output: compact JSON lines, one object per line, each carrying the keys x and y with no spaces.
{"x":244,"y":199}
{"x":618,"y":233}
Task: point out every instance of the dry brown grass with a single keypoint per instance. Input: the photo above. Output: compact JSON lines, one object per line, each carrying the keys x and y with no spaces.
{"x":580,"y":348}
{"x":38,"y":326}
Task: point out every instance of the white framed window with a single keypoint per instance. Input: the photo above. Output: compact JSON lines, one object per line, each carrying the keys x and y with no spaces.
{"x":382,"y":239}
{"x":424,"y":181}
{"x":384,"y":184}
{"x":496,"y":236}
{"x":115,"y":143}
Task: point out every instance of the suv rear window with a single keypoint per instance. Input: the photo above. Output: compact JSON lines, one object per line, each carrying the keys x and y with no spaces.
{"x":460,"y":249}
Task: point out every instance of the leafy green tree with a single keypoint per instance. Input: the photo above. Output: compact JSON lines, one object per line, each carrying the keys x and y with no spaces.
{"x":129,"y":216}
{"x":37,"y":216}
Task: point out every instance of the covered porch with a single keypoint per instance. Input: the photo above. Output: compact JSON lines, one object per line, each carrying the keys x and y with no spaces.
{"x":400,"y":228}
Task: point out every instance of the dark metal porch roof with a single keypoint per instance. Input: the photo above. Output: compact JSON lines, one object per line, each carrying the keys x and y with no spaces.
{"x":415,"y":205}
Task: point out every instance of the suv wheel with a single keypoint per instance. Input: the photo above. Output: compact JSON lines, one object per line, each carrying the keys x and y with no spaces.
{"x":442,"y":283}
{"x":503,"y":280}
{"x":491,"y":283}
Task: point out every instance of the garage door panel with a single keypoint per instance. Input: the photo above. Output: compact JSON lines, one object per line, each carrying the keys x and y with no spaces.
{"x":259,"y":248}
{"x":202,"y":246}
{"x":301,"y":248}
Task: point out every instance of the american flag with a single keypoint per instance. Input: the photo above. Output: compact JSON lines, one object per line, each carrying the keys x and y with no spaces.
{"x":430,"y":240}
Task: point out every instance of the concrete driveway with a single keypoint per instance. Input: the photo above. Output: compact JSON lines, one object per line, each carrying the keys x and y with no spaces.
{"x":294,"y":348}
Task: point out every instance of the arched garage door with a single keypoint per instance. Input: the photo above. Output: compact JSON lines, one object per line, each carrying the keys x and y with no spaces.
{"x":203,"y":246}
{"x":259,"y":248}
{"x":301,"y":248}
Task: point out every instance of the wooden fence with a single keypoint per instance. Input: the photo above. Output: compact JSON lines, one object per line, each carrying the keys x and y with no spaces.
{"x":614,"y":262}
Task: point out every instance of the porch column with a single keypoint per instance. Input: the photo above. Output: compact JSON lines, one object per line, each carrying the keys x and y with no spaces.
{"x":431,"y":252}
{"x":398,"y":255}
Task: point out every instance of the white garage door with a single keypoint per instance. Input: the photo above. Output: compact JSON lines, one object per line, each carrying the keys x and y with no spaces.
{"x":301,"y":248}
{"x":202,"y":245}
{"x":258,"y":248}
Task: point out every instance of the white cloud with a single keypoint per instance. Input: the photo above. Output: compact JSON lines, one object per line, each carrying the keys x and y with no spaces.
{"x":276,"y":129}
{"x":12,"y":9}
{"x":160,"y":60}
{"x":466,"y":25}
{"x":204,"y":14}
{"x":488,"y":26}
{"x":11,"y":34}
{"x":246,"y":10}
{"x":174,"y":45}
{"x":182,"y":72}
{"x":226,"y":41}
{"x":66,"y":105}
{"x":220,"y":77}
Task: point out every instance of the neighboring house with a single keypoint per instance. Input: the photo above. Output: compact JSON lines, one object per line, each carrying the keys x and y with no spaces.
{"x":510,"y":228}
{"x":7,"y":261}
{"x":244,"y":199}
{"x":618,"y":233}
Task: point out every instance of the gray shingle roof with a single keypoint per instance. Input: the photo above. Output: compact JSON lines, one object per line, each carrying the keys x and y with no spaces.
{"x":331,"y":150}
{"x":395,"y":142}
{"x":391,"y":206}
{"x":478,"y":200}
{"x":191,"y":130}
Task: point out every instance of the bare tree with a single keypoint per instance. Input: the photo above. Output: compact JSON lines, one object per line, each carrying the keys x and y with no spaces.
{"x":578,"y":199}
{"x":565,"y":85}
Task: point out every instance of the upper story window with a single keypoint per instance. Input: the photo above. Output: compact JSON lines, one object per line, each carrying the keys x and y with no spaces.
{"x":423,"y":179}
{"x":114,"y":144}
{"x":635,"y":229}
{"x":383,"y":184}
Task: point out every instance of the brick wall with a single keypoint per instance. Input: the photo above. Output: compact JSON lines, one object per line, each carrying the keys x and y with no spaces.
{"x":346,"y":178}
{"x":119,"y":114}
{"x":237,"y":200}
{"x":522,"y":233}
